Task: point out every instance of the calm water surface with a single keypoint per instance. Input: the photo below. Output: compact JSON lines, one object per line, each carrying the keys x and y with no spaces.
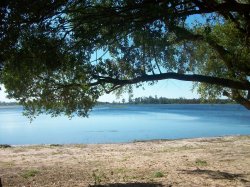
{"x":125,"y":123}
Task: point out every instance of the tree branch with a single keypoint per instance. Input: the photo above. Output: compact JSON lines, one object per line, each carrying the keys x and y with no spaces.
{"x":234,"y":84}
{"x":238,"y":98}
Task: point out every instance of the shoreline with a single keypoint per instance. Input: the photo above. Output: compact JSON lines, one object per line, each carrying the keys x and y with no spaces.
{"x":130,"y":142}
{"x":216,"y":161}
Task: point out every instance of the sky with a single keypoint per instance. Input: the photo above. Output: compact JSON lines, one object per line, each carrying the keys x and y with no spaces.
{"x":3,"y":97}
{"x":164,"y":88}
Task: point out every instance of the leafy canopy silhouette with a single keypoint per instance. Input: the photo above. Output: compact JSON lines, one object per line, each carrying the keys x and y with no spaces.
{"x":49,"y":61}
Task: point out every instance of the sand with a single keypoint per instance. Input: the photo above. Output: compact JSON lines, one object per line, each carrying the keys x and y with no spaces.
{"x":223,"y":161}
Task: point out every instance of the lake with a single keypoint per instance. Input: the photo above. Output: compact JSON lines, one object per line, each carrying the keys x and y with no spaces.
{"x":125,"y":123}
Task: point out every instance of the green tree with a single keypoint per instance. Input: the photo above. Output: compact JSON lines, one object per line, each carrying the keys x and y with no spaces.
{"x":47,"y":49}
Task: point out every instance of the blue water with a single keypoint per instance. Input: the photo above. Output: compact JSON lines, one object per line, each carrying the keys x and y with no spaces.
{"x":125,"y":123}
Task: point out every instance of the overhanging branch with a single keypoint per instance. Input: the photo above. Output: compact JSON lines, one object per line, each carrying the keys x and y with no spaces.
{"x":234,"y":84}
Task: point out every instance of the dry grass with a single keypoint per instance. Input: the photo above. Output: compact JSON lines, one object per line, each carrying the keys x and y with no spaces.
{"x":191,"y":162}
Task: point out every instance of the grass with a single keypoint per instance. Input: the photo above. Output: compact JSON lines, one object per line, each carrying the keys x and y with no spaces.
{"x":30,"y":173}
{"x":199,"y":162}
{"x":55,"y":145}
{"x":158,"y":174}
{"x":98,"y":176}
{"x":59,"y":152}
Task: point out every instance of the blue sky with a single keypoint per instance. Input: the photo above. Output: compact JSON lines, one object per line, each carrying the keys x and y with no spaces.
{"x":164,"y":88}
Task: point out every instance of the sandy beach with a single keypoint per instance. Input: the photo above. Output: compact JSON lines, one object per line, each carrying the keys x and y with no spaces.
{"x":223,"y":161}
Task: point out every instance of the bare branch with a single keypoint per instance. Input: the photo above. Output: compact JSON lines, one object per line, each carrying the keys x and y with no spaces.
{"x":234,"y":84}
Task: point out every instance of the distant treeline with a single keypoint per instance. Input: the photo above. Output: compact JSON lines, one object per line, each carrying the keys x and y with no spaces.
{"x":8,"y":103}
{"x":154,"y":100}
{"x":164,"y":100}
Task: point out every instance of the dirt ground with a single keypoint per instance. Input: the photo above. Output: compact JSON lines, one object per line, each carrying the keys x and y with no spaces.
{"x":188,"y":162}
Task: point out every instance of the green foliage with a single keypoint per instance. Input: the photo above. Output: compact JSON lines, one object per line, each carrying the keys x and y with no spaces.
{"x":30,"y":173}
{"x":209,"y":62}
{"x":49,"y":60}
{"x":158,"y":174}
{"x":55,"y":145}
{"x":98,"y":176}
{"x":199,"y":162}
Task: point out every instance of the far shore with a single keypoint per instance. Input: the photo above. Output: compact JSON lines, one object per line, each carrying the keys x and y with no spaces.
{"x":218,"y":161}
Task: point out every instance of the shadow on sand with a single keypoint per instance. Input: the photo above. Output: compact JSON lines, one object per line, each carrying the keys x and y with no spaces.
{"x":129,"y":185}
{"x":217,"y":174}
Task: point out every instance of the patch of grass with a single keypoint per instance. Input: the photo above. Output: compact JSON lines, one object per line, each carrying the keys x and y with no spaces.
{"x":158,"y":174}
{"x":58,"y":152}
{"x":98,"y":177}
{"x":199,"y":162}
{"x":120,"y":170}
{"x":30,"y":173}
{"x":5,"y":146}
{"x":118,"y":173}
{"x":55,"y":145}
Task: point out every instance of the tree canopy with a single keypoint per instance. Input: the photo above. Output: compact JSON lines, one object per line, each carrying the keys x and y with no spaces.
{"x":60,"y":56}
